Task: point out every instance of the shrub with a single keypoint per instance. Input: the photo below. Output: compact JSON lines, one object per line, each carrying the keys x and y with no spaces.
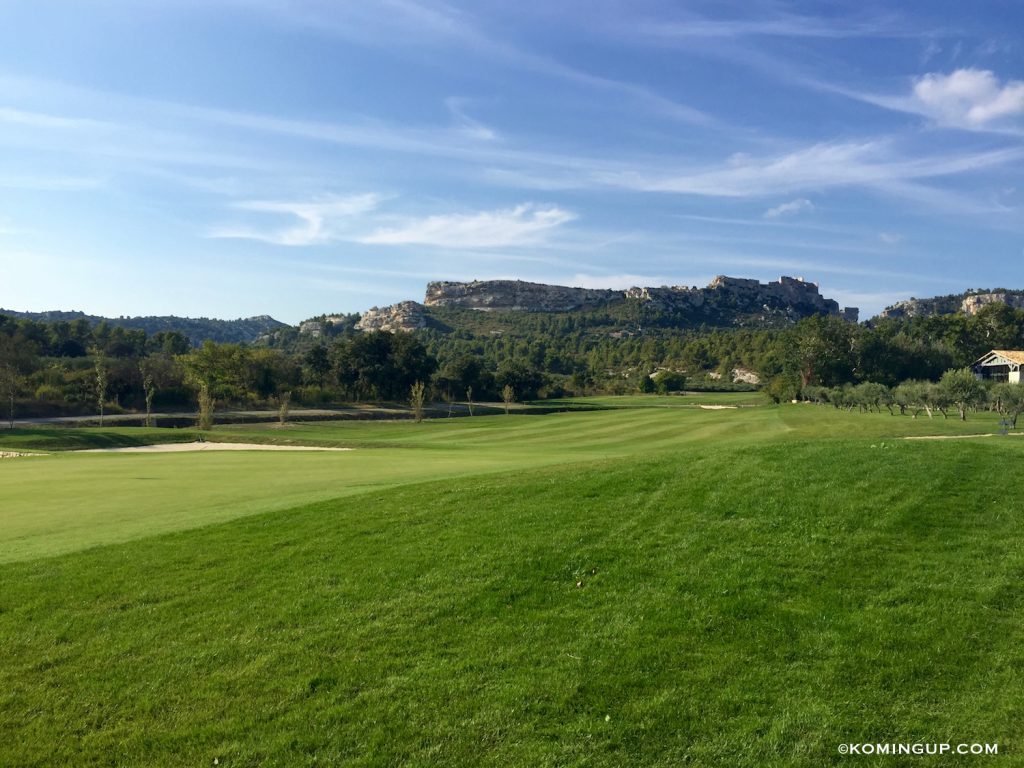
{"x":49,"y":394}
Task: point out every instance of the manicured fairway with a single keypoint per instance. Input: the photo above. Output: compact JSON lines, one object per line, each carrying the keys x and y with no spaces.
{"x":626,"y":587}
{"x":690,"y":399}
{"x":68,"y":501}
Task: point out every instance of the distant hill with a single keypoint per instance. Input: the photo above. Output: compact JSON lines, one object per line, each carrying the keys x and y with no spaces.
{"x":492,"y":306}
{"x":197,"y":329}
{"x":967,"y":303}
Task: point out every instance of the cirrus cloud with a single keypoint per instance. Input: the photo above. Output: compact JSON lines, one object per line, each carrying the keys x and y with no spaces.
{"x":320,"y":221}
{"x":793,"y":206}
{"x":524,"y":224}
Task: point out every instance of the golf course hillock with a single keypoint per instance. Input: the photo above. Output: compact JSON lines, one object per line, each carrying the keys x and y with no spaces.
{"x":629,"y":586}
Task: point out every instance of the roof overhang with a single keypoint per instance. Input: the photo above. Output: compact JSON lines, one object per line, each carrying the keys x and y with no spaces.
{"x":1000,"y":357}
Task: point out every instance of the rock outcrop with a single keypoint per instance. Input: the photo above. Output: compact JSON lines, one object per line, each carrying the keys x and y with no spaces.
{"x":403,"y":316}
{"x":515,"y":295}
{"x":972,"y":304}
{"x":966,"y":303}
{"x":789,"y":298}
{"x":312,"y":328}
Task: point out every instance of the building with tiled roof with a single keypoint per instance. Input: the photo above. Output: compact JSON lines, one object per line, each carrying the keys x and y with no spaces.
{"x":1000,"y":365}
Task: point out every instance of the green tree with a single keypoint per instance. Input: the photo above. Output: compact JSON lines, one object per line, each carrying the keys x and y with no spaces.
{"x":909,"y":395}
{"x":101,"y":382}
{"x":870,"y":395}
{"x":417,"y":398}
{"x":782,"y":388}
{"x":508,"y":396}
{"x":157,"y":370}
{"x":1008,"y":400}
{"x":207,"y":404}
{"x":318,"y":364}
{"x":284,"y":401}
{"x":822,"y":350}
{"x":670,"y":381}
{"x":17,"y":360}
{"x":523,"y":378}
{"x":962,"y":389}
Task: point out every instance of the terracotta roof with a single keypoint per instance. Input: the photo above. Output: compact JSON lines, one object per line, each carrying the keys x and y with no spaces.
{"x":1013,"y":355}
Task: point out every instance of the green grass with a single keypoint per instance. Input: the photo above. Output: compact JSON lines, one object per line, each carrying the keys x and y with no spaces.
{"x":625,"y":587}
{"x":47,"y":439}
{"x":690,"y":399}
{"x":69,"y":501}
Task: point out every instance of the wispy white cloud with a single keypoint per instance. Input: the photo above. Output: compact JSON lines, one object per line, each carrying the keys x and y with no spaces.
{"x":866,"y":164}
{"x":420,"y":23}
{"x":873,"y":163}
{"x":321,"y":221}
{"x":969,"y":99}
{"x":774,"y":25}
{"x":50,"y":183}
{"x":890,"y":238}
{"x":793,"y":206}
{"x":930,"y":51}
{"x":35,"y":119}
{"x":469,"y":126}
{"x":522,"y":225}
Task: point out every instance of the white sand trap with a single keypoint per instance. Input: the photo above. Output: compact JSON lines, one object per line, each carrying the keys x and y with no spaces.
{"x":197,"y":446}
{"x":719,"y":407}
{"x":17,"y":454}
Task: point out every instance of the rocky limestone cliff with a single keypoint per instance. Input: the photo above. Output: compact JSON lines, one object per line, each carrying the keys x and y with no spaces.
{"x":515,"y":295}
{"x":975,"y":302}
{"x":788,"y":298}
{"x":966,"y":303}
{"x":403,"y":316}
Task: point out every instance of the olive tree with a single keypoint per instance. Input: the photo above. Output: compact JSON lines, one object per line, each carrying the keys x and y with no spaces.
{"x":870,"y":395}
{"x":909,"y":396}
{"x":1009,"y":401}
{"x":963,"y":389}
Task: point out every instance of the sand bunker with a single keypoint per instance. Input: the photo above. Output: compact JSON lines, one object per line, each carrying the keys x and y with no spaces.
{"x":17,"y":454}
{"x":719,"y":407}
{"x":197,"y":446}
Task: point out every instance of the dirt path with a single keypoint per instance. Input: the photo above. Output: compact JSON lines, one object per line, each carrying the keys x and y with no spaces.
{"x":962,"y":437}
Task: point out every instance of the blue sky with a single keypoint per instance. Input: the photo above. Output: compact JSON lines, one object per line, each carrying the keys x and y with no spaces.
{"x":228,"y":158}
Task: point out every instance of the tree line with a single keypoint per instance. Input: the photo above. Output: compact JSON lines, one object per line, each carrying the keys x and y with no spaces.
{"x":52,"y":368}
{"x":958,"y":391}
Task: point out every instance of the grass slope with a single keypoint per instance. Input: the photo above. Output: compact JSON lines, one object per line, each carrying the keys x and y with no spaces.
{"x":46,"y":439}
{"x":741,"y":605}
{"x":69,"y":501}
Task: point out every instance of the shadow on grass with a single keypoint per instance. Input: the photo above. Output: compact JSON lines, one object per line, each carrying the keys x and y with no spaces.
{"x":78,"y":438}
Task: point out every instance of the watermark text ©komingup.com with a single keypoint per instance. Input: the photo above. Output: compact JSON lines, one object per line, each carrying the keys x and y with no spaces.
{"x":919,"y":748}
